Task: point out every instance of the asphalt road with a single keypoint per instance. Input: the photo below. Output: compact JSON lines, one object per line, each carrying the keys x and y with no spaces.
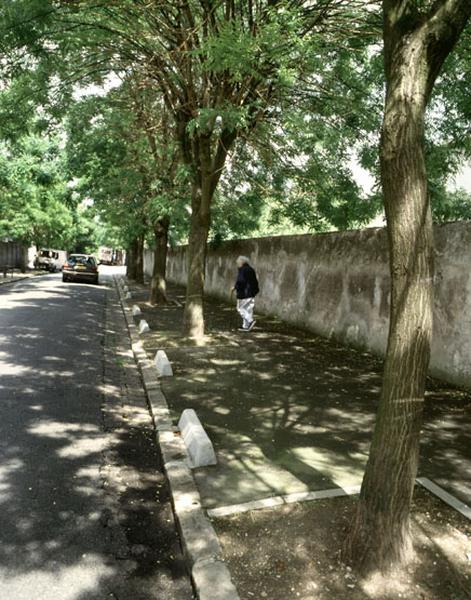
{"x":54,"y":543}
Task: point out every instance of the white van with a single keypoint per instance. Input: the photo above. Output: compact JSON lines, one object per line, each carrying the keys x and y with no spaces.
{"x":105,"y":255}
{"x":50,"y":260}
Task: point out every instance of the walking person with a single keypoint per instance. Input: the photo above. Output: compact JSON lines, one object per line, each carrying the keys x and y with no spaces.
{"x":246,"y":288}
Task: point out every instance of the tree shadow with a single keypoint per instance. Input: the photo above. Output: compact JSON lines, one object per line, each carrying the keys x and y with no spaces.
{"x":84,"y":505}
{"x":289,"y":411}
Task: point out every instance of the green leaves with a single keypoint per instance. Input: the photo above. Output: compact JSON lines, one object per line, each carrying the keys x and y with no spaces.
{"x":298,"y":84}
{"x":33,"y":193}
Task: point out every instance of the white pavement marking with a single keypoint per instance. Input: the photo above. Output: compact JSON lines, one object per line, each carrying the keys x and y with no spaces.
{"x":200,"y":449}
{"x":162,"y":364}
{"x":225,"y":511}
{"x":461,"y":507}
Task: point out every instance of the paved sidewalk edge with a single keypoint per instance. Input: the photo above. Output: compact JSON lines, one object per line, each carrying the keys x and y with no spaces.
{"x":6,"y":281}
{"x":209,"y":573}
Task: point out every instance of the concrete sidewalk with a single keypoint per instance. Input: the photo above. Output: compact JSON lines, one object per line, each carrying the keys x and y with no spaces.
{"x":291,"y":412}
{"x":18,"y":276}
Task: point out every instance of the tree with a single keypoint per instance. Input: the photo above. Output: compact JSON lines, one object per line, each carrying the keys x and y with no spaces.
{"x":35,"y":202}
{"x":452,"y":205}
{"x":169,"y":179}
{"x":108,"y":157}
{"x":217,"y":95}
{"x":418,"y":37}
{"x":121,"y":147}
{"x":218,"y":66}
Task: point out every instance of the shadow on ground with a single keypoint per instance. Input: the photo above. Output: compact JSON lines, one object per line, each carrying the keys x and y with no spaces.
{"x":289,"y":411}
{"x":79,"y":517}
{"x":293,"y":552}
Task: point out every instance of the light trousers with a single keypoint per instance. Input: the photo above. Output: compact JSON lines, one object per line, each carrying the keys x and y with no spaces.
{"x":245,"y":309}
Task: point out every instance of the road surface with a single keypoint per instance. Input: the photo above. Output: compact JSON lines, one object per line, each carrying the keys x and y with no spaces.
{"x":79,"y":511}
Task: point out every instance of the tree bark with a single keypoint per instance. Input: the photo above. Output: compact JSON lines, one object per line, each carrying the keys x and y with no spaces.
{"x":158,"y":287}
{"x":131,"y":260}
{"x":24,"y":258}
{"x":380,"y":533}
{"x":193,"y":317}
{"x":139,"y":260}
{"x":207,"y":163}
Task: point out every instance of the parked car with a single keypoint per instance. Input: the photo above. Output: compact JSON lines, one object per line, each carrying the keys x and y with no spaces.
{"x":50,"y":260}
{"x":80,"y":267}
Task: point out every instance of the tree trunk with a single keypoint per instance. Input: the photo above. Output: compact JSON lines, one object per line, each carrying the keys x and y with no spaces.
{"x":158,"y":287}
{"x":24,"y":258}
{"x":139,"y":260}
{"x":131,"y":260}
{"x":193,"y":317}
{"x":380,"y":533}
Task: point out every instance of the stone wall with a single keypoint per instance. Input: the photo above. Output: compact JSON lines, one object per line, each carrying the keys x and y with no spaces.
{"x":337,"y":285}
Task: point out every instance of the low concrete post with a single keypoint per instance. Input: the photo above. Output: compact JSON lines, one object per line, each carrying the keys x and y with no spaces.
{"x":200,"y":449}
{"x":143,"y":326}
{"x":162,"y":364}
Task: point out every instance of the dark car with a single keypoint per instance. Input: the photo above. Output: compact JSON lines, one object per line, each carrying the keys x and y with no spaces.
{"x":80,"y":267}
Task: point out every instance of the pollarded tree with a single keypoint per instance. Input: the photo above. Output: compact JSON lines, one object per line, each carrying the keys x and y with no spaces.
{"x":168,"y":195}
{"x":120,"y":145}
{"x":108,"y":157}
{"x":218,"y":65}
{"x":418,"y":37}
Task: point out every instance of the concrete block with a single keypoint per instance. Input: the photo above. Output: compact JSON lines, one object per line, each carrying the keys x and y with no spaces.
{"x":162,"y":364}
{"x":197,"y":534}
{"x":144,"y":326}
{"x":157,"y":398}
{"x":212,"y":581}
{"x":172,"y":447}
{"x":136,"y":311}
{"x":199,"y":447}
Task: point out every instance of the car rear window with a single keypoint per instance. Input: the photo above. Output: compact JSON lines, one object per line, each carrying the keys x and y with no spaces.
{"x":82,"y":260}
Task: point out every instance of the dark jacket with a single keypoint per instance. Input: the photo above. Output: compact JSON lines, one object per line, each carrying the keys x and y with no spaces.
{"x":246,"y":285}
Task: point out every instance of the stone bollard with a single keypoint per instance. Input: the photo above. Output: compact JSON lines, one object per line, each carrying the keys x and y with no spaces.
{"x":200,"y":449}
{"x":162,"y":364}
{"x":144,"y":326}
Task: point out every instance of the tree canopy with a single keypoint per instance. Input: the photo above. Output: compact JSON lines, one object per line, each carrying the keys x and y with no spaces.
{"x":154,"y":122}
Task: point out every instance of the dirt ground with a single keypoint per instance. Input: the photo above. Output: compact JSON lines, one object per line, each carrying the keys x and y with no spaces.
{"x":288,"y":411}
{"x":292,"y":552}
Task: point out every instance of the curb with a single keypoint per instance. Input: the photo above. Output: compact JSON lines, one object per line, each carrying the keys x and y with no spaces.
{"x":209,"y":574}
{"x":7,"y":281}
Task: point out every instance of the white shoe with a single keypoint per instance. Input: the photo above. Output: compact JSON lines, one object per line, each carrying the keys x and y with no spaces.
{"x":251,"y":326}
